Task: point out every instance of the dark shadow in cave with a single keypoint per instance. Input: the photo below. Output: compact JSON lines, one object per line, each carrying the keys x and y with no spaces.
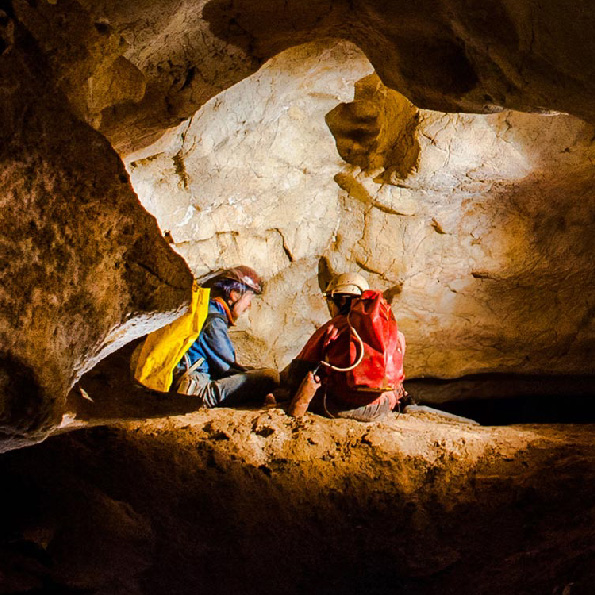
{"x":108,"y":394}
{"x":525,"y":410}
{"x":124,"y":512}
{"x":504,"y":399}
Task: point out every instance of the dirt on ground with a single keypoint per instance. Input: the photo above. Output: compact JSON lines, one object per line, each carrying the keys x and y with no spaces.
{"x":254,"y":501}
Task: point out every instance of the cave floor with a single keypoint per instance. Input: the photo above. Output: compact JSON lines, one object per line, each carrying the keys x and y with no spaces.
{"x":253,"y":501}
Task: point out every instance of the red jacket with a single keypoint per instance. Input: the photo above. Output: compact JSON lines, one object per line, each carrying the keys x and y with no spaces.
{"x":379,"y":372}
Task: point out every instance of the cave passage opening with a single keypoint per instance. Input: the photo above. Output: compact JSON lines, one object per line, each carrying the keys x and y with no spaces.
{"x":525,"y":409}
{"x":510,"y":399}
{"x":469,"y":224}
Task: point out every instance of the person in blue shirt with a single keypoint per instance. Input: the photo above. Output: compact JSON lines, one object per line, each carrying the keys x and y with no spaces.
{"x":209,"y":369}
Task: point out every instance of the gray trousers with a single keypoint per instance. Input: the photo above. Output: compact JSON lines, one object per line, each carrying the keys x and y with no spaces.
{"x":231,"y":391}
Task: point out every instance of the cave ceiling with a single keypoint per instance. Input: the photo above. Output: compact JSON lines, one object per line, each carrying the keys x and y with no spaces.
{"x":134,"y":68}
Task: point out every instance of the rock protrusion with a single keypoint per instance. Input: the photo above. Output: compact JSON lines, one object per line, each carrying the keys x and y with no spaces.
{"x":83,"y":267}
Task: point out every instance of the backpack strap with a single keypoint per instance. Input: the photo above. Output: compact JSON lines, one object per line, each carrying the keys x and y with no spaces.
{"x":191,"y":368}
{"x":217,"y":316}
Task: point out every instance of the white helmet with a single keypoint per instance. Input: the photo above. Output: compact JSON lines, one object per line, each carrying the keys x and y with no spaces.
{"x":347,"y":284}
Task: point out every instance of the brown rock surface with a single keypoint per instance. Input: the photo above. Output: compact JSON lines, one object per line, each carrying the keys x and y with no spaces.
{"x":376,"y":131}
{"x":83,"y":267}
{"x":258,"y":502}
{"x":157,"y":62}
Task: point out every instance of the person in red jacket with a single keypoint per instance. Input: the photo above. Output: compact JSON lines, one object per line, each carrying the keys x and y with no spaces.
{"x":343,"y":374}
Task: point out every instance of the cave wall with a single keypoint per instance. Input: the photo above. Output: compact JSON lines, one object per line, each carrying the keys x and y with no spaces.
{"x":83,"y":266}
{"x":479,"y":228}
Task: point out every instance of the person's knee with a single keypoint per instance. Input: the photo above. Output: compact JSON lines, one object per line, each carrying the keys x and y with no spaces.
{"x":268,"y":377}
{"x":271,"y":374}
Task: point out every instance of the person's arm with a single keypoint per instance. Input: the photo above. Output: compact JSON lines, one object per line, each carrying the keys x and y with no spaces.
{"x":402,"y":343}
{"x":218,"y":348}
{"x":304,"y":395}
{"x":309,"y":357}
{"x":294,"y":373}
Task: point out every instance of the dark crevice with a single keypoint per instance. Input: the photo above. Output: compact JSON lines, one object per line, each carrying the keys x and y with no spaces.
{"x":561,"y":409}
{"x":504,"y":399}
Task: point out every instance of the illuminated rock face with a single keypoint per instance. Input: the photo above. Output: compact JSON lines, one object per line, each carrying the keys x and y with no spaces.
{"x":479,"y":228}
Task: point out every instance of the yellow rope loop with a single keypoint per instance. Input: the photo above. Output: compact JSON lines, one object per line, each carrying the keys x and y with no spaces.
{"x":359,"y":359}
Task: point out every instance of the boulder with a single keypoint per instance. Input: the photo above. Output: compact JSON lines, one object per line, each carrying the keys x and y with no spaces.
{"x":84,"y":268}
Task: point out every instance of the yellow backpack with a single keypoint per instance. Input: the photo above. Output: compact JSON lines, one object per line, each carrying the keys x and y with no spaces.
{"x":163,"y":349}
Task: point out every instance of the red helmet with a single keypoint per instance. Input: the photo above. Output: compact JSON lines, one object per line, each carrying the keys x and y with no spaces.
{"x":248,"y":276}
{"x":245,"y":275}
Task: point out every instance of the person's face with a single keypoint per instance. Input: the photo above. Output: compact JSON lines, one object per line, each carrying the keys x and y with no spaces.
{"x":332,"y":307}
{"x":340,"y":303}
{"x":242,"y":303}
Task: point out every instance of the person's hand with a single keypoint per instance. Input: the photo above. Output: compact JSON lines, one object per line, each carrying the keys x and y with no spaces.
{"x":305,"y":393}
{"x":331,"y":333}
{"x":313,"y":380}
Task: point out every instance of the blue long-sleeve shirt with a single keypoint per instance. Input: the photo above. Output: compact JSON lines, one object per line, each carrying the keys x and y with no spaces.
{"x":214,"y":346}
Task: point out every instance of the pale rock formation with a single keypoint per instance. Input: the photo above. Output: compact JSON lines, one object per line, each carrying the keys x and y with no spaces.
{"x":212,"y":180}
{"x":479,"y":228}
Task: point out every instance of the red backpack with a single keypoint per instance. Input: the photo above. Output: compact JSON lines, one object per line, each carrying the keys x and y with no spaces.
{"x":365,"y":352}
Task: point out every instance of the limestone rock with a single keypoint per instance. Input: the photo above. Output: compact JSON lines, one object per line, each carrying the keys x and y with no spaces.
{"x":443,"y":55}
{"x":479,"y":228}
{"x":377,"y":129}
{"x":83,"y":267}
{"x":209,"y":181}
